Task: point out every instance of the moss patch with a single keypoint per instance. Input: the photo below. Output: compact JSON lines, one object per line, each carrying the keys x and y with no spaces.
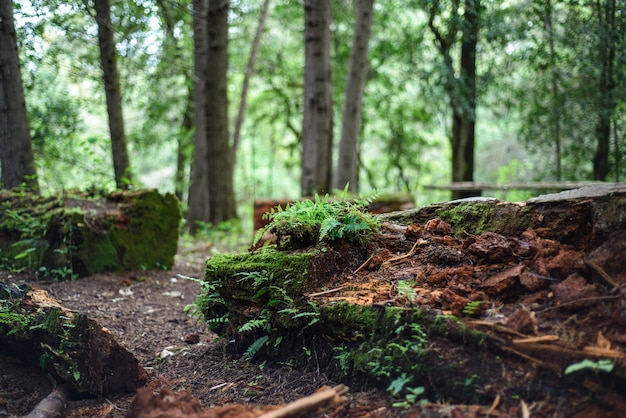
{"x":67,"y":236}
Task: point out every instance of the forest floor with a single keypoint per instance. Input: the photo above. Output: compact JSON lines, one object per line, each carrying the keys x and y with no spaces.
{"x":145,"y":311}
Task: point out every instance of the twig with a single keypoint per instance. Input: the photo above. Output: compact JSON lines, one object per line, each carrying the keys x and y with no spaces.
{"x":326,"y":398}
{"x":602,"y":273}
{"x":392,"y":260}
{"x":325,"y":292}
{"x":365,"y":264}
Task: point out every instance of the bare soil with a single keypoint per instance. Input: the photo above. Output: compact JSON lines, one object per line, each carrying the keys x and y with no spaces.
{"x":563,"y":297}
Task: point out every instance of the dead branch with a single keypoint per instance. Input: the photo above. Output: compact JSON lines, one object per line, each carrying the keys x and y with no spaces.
{"x":320,"y":400}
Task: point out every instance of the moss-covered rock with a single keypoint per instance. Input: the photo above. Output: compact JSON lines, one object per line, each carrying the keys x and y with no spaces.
{"x":78,"y":235}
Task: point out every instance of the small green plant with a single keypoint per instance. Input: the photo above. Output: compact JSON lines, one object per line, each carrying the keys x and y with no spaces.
{"x":321,"y":219}
{"x":473,"y":308}
{"x":604,"y":366}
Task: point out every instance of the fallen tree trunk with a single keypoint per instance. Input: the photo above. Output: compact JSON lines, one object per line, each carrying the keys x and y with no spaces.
{"x":469,"y":300}
{"x":80,"y":354}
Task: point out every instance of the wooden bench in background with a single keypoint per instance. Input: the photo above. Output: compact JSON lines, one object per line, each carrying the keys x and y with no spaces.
{"x":476,"y":188}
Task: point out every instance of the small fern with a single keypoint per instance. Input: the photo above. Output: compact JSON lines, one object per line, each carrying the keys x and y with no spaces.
{"x":253,"y":324}
{"x":255,"y":347}
{"x":308,"y":221}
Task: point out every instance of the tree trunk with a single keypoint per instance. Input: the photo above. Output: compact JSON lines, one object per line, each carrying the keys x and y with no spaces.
{"x":318,"y":108}
{"x":16,"y":151}
{"x":464,"y":111}
{"x":347,"y":169}
{"x":606,"y":90}
{"x":211,"y":194}
{"x":246,"y":81}
{"x":555,"y":120}
{"x":108,"y":61}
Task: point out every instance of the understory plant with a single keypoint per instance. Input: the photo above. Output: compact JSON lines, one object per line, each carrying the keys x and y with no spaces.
{"x":308,"y":221}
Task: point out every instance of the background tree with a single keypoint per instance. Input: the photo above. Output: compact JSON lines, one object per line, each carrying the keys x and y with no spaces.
{"x":16,"y":153}
{"x":108,"y":61}
{"x":317,"y":125}
{"x":211,"y":194}
{"x":459,"y":81}
{"x":347,"y":169}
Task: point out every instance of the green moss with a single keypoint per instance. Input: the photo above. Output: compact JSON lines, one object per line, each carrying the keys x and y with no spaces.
{"x":478,"y":217}
{"x":287,"y":271}
{"x":74,"y":235}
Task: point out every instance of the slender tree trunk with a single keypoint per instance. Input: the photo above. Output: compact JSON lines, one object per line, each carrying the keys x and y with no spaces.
{"x":199,"y":183}
{"x":347,"y":168}
{"x":108,"y":61}
{"x":170,"y":16}
{"x":317,"y":133}
{"x":606,"y":89}
{"x":183,"y":148}
{"x":220,"y":154}
{"x":211,"y":194}
{"x":246,"y":80}
{"x":464,"y":113}
{"x":16,"y":151}
{"x":555,"y":120}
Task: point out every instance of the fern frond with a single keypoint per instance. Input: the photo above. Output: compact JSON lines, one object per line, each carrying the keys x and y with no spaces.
{"x":255,"y":347}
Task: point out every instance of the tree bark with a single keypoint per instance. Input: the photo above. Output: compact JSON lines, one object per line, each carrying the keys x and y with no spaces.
{"x":108,"y":61}
{"x":16,"y":152}
{"x":317,"y":124}
{"x":461,"y":90}
{"x":246,"y":80}
{"x":606,"y":14}
{"x":211,"y":194}
{"x":347,"y":168}
{"x":464,"y":112}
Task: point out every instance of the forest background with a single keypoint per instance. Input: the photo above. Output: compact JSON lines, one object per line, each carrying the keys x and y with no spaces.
{"x":538,"y":88}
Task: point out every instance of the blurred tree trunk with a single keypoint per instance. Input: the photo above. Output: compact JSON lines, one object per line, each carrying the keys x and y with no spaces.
{"x":317,"y":132}
{"x":211,"y":194}
{"x":16,"y":151}
{"x":608,"y":36}
{"x":347,"y":168}
{"x":461,"y":88}
{"x":108,"y":61}
{"x":246,"y":81}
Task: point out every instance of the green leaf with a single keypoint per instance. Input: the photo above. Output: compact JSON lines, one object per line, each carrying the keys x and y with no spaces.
{"x":605,"y":366}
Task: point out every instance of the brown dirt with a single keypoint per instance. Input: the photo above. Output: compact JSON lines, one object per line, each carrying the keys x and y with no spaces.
{"x":531,"y":285}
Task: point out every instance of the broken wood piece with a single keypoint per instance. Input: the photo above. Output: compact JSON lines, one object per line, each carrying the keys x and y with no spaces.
{"x":541,"y":339}
{"x":324,"y":399}
{"x":325,"y":292}
{"x":52,"y":406}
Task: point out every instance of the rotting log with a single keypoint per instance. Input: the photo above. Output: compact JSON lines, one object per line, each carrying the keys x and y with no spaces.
{"x":80,"y":354}
{"x":470,"y":299}
{"x":71,"y":235}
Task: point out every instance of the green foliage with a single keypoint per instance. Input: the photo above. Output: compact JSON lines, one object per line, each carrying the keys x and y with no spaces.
{"x":604,"y":366}
{"x":308,"y":221}
{"x":473,"y":308}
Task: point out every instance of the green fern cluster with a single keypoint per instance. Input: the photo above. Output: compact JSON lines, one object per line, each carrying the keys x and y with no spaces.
{"x":308,"y":221}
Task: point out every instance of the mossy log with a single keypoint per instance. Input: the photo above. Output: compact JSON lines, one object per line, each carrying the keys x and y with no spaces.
{"x":469,"y":299}
{"x":75,"y":235}
{"x":71,"y":347}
